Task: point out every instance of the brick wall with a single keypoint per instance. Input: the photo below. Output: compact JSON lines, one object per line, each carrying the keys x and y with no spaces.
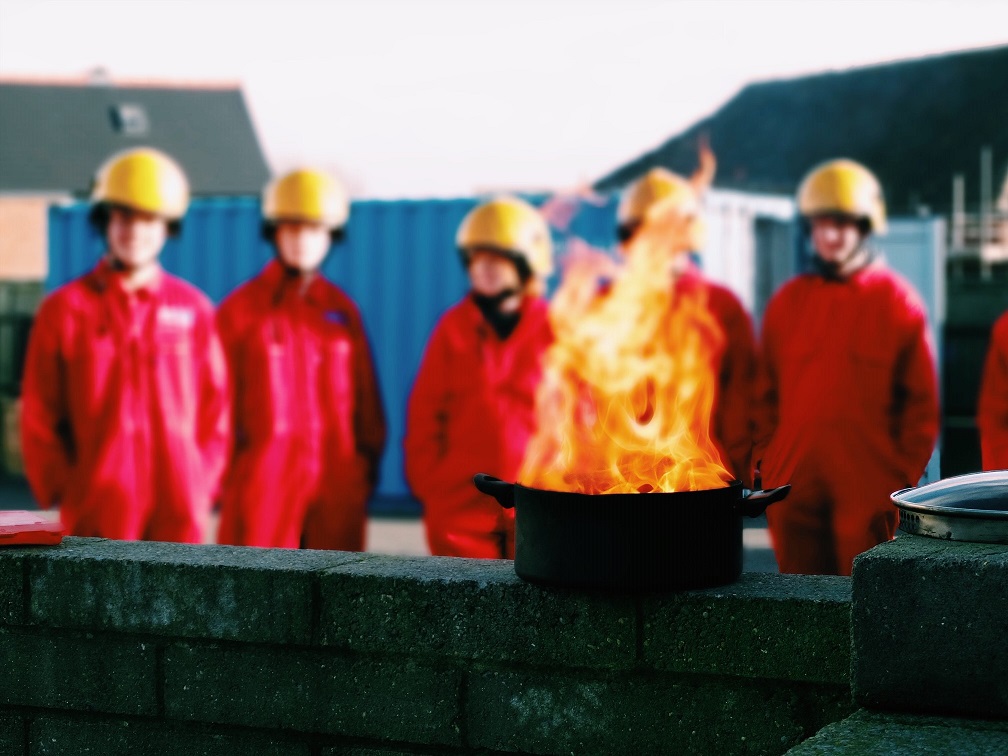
{"x":24,"y":251}
{"x":142,"y":648}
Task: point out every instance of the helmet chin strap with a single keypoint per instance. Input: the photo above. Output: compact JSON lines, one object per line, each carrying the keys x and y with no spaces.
{"x":294,"y":271}
{"x":503,"y":322}
{"x":840,"y":270}
{"x":496,"y":300}
{"x":115,"y":263}
{"x":133,"y":277}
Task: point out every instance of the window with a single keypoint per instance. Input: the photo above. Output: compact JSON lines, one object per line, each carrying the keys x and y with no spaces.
{"x":130,"y":120}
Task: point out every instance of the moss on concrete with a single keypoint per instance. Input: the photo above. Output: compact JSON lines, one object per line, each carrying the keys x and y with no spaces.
{"x":876,"y":734}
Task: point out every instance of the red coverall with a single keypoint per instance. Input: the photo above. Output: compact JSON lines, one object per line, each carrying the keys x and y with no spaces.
{"x":472,"y":409}
{"x":847,"y":412}
{"x":308,"y":418}
{"x":125,"y":422}
{"x":992,"y":405}
{"x":731,"y":418}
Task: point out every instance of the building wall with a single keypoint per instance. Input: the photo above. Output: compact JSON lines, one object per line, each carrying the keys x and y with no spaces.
{"x":24,"y":244}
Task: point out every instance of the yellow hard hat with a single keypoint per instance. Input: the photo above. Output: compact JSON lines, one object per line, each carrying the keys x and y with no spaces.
{"x":511,"y":226}
{"x":143,"y":179}
{"x":660,"y":191}
{"x":843,"y":187}
{"x":306,"y":195}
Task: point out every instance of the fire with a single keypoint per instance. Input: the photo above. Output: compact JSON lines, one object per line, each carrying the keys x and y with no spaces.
{"x":628,"y":387}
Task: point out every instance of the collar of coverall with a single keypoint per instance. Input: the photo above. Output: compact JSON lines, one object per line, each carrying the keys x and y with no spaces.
{"x":686,"y":266}
{"x":860,"y":259}
{"x":283,"y":279}
{"x":106,"y":275}
{"x":478,"y":319}
{"x":503,"y":323}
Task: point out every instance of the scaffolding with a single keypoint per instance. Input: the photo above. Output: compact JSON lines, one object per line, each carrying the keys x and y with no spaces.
{"x":981,"y":236}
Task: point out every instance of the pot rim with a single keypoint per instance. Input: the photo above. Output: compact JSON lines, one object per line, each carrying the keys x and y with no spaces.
{"x":743,"y":500}
{"x":732,"y":485}
{"x":956,"y":497}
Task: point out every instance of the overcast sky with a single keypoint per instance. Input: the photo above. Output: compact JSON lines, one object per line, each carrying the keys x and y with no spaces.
{"x":445,"y":97}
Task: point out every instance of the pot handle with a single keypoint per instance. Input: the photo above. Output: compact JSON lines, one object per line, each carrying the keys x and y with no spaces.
{"x":756,"y":502}
{"x":491,"y":486}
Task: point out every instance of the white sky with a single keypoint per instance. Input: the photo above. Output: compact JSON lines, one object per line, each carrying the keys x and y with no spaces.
{"x":446,"y":97}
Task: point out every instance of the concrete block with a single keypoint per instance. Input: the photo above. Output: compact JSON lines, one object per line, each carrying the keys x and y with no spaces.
{"x":12,"y":735}
{"x":75,"y":672}
{"x":396,"y":700}
{"x":929,"y":626}
{"x":363,"y":751}
{"x":179,"y":590}
{"x":873,"y":734}
{"x":783,"y":627}
{"x":471,"y":609}
{"x":12,"y":609}
{"x":58,"y":736}
{"x":601,"y":714}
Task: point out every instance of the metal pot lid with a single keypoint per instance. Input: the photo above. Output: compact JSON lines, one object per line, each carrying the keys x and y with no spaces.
{"x":970,"y":507}
{"x":973,"y":496}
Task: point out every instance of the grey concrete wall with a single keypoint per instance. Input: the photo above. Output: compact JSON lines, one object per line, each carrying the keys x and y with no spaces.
{"x":929,"y":663}
{"x":930,"y":619}
{"x":111,"y":647}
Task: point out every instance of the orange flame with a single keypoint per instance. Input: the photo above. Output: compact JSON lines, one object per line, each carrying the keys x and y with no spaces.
{"x":704,"y":174}
{"x":629,"y":383}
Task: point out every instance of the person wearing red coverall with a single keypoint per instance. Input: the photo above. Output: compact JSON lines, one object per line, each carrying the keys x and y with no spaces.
{"x":660,"y":191}
{"x":309,"y":425}
{"x":472,"y":407}
{"x":125,"y":423}
{"x":848,"y":399}
{"x":992,"y":404}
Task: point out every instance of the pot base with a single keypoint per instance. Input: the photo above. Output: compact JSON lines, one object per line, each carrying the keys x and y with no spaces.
{"x":650,"y":546}
{"x":629,"y":542}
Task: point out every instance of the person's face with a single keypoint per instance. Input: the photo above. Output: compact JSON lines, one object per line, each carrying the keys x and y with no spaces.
{"x":302,"y":245}
{"x":135,"y":237}
{"x":491,"y":273}
{"x":835,"y":238}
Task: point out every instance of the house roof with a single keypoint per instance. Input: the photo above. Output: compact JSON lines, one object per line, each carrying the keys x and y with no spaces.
{"x":915,"y":123}
{"x":53,"y":136}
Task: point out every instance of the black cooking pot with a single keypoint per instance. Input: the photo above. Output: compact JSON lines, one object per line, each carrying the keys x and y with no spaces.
{"x":629,"y":542}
